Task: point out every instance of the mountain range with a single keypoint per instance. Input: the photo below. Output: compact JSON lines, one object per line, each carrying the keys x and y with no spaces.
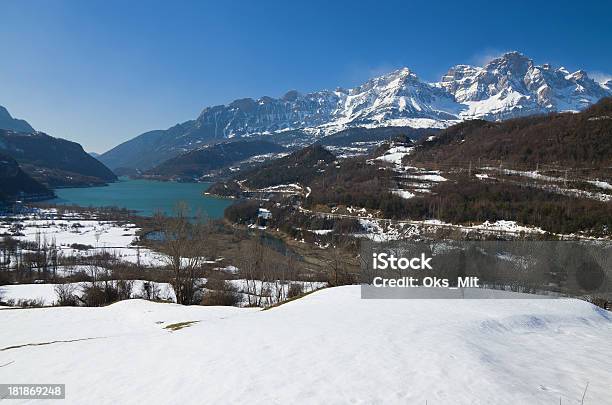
{"x":508,"y":86}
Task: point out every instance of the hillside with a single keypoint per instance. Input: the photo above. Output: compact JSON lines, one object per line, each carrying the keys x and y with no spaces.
{"x":563,"y":139}
{"x":16,"y":184}
{"x":355,"y":136}
{"x":54,"y":161}
{"x":328,"y":347}
{"x":400,"y":181}
{"x":149,"y":149}
{"x":301,"y":167}
{"x":200,"y":162}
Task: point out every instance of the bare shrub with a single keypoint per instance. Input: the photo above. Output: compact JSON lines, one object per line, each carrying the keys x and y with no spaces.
{"x":601,"y":302}
{"x":93,"y":295}
{"x":124,"y":289}
{"x":220,"y":292}
{"x":150,"y":291}
{"x":106,"y":292}
{"x":295,"y":289}
{"x":101,"y":288}
{"x":66,"y":296}
{"x":30,"y":303}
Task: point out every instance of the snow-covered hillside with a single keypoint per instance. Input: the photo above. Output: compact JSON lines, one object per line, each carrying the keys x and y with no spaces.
{"x":329,"y":347}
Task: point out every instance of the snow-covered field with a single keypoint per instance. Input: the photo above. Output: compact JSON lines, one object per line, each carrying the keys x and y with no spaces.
{"x":574,"y":192}
{"x":328,"y":347}
{"x":46,"y":227}
{"x":601,"y":184}
{"x":382,"y":230}
{"x":395,"y":154}
{"x":403,"y":194}
{"x":109,"y":236}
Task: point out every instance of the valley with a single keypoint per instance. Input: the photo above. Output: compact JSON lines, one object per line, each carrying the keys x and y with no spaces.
{"x":229,"y":255}
{"x":309,"y":209}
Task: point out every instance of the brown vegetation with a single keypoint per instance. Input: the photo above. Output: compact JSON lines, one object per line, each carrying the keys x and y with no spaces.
{"x":568,"y":140}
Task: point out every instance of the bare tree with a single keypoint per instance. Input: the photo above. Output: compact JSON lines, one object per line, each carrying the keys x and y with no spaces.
{"x":184,"y":247}
{"x":337,"y":262}
{"x":220,"y":292}
{"x":251,"y":263}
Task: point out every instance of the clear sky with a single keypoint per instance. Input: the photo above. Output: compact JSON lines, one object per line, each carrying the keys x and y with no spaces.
{"x":102,"y":72}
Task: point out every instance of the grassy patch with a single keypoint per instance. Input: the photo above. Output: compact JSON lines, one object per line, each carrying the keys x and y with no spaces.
{"x":179,"y":325}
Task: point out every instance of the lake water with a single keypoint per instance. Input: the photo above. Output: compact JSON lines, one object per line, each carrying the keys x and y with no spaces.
{"x":144,"y":196}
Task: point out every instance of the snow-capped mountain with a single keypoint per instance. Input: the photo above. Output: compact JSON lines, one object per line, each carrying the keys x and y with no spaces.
{"x":513,"y":85}
{"x":508,"y":86}
{"x":247,"y":116}
{"x":399,"y":98}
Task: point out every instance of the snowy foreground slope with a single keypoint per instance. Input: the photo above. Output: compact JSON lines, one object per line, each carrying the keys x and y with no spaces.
{"x":329,"y":347}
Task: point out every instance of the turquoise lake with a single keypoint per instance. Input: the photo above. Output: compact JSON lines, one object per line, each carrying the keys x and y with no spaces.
{"x":144,"y":196}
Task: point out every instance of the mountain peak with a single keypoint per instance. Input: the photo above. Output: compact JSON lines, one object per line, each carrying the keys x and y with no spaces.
{"x":402,"y":73}
{"x":514,"y":55}
{"x":511,"y":62}
{"x":578,"y":75}
{"x":13,"y":124}
{"x":291,"y":95}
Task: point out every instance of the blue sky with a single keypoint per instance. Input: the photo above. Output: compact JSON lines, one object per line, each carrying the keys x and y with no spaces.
{"x":102,"y":72}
